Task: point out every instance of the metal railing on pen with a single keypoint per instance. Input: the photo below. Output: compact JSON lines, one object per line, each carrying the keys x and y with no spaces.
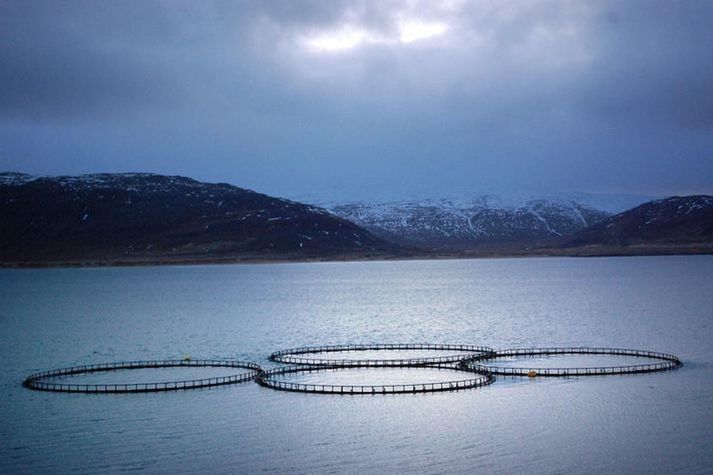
{"x":43,"y":380}
{"x":667,"y":362}
{"x":267,"y":379}
{"x":291,"y":356}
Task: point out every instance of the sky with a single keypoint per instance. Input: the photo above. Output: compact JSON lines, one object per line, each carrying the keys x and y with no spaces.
{"x":332,"y":97}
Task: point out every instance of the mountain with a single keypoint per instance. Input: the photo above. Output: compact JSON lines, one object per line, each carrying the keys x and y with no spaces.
{"x":672,"y":225}
{"x":134,"y":218}
{"x":485,"y":222}
{"x":137,"y":217}
{"x":609,"y":202}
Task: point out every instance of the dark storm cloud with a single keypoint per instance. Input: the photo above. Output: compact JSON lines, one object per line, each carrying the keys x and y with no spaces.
{"x":63,"y":59}
{"x":290,"y":96}
{"x":654,"y":64}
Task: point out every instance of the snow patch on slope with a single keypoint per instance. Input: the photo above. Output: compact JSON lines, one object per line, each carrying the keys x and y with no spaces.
{"x":448,"y":223}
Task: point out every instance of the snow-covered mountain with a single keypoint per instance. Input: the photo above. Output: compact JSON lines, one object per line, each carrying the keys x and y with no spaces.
{"x":484,"y":221}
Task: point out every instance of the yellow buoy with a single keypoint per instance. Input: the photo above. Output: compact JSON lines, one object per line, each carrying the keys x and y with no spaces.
{"x":532,"y":373}
{"x":187,"y":358}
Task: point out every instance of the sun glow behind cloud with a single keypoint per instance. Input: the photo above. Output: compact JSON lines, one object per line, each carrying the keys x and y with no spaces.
{"x":415,"y":30}
{"x":345,"y":38}
{"x":348,"y":37}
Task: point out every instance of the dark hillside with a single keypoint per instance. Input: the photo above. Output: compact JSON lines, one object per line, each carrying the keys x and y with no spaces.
{"x":124,"y":218}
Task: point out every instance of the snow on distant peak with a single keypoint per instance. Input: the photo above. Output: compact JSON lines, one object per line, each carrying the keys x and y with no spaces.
{"x":607,"y":202}
{"x":684,"y":205}
{"x":453,"y":223}
{"x":100,"y":180}
{"x":15,"y":179}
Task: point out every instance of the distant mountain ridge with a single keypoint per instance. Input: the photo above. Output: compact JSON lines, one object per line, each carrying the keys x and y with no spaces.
{"x":141,"y":217}
{"x":609,"y":202}
{"x":451,"y":225}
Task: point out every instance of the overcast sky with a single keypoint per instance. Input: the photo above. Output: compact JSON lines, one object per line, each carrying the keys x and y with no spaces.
{"x":300,"y":97}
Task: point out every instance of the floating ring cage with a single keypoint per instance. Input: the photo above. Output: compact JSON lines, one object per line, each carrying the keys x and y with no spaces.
{"x":43,"y":381}
{"x":472,"y":360}
{"x":294,"y":355}
{"x":267,"y":379}
{"x":666,"y":362}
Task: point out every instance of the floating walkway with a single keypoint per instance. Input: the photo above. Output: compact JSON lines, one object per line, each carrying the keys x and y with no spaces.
{"x":267,"y":379}
{"x":293,"y":355}
{"x":43,"y":381}
{"x":667,"y":362}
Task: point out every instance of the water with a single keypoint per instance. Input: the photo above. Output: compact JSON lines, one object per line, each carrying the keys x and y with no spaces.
{"x":148,"y":375}
{"x":571,"y":361}
{"x":661,"y":422}
{"x":377,"y":376}
{"x":384,"y":354}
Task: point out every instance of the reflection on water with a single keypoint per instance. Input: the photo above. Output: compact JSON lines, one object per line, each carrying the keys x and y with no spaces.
{"x":147,"y":375}
{"x":376,"y":376}
{"x":569,"y":361}
{"x":381,"y":354}
{"x":658,"y":422}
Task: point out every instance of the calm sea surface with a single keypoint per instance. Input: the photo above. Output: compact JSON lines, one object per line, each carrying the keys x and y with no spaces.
{"x":661,"y":422}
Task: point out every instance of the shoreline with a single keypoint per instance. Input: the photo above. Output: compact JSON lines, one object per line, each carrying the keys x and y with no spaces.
{"x":585,"y":252}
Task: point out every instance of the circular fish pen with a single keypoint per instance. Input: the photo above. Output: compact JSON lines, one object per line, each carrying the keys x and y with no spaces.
{"x":270,"y":379}
{"x":45,"y":380}
{"x":474,"y":361}
{"x":664,"y":362}
{"x":297,"y":355}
